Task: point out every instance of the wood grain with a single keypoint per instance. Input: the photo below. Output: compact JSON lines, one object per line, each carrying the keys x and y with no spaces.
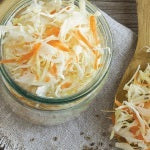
{"x":140,"y":57}
{"x":124,"y":11}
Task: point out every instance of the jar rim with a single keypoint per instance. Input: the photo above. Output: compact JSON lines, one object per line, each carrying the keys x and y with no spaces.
{"x":93,"y":83}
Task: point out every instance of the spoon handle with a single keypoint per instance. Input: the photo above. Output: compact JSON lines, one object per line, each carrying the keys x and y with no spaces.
{"x":141,"y":57}
{"x":143,"y":10}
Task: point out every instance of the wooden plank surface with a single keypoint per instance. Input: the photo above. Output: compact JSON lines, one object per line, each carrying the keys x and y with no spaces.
{"x":124,"y":11}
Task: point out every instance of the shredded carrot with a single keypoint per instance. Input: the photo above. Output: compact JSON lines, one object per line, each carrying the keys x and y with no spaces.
{"x":53,"y":70}
{"x":113,"y":118}
{"x":93,"y":27}
{"x":132,"y":113}
{"x":117,"y":103}
{"x":80,"y":36}
{"x":126,"y":109}
{"x":52,"y":31}
{"x":135,"y":117}
{"x":30,"y":54}
{"x":134,"y":129}
{"x":68,"y":8}
{"x":47,"y":79}
{"x":147,"y":104}
{"x":24,"y":57}
{"x":53,"y":12}
{"x":66,"y":85}
{"x":139,"y":137}
{"x":37,"y":76}
{"x":58,"y":44}
{"x":35,"y":48}
{"x":5,"y":61}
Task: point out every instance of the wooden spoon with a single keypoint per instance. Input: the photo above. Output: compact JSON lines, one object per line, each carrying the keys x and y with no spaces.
{"x":140,"y":57}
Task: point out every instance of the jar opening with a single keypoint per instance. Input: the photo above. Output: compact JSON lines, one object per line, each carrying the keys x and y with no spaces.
{"x":89,"y":87}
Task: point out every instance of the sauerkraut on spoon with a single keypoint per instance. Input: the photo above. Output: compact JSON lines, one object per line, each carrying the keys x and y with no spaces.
{"x":52,"y":49}
{"x":132,"y":117}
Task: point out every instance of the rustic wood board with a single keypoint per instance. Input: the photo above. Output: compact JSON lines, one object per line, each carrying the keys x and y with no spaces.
{"x":124,"y":11}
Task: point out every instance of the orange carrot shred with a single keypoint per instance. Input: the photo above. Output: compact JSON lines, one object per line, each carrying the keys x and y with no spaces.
{"x":47,"y":79}
{"x":134,"y":129}
{"x":83,"y":39}
{"x":5,"y":61}
{"x":37,"y":76}
{"x":68,"y":7}
{"x":24,"y":57}
{"x":30,"y":54}
{"x":58,"y":44}
{"x":139,"y":137}
{"x":135,"y":118}
{"x":147,"y":105}
{"x":52,"y":31}
{"x":94,"y":28}
{"x":117,"y":103}
{"x":53,"y":12}
{"x":132,"y":113}
{"x":113,"y":118}
{"x":66,"y":85}
{"x":53,"y":70}
{"x":79,"y":35}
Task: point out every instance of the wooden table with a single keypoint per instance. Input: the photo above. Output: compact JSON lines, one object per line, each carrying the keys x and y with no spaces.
{"x":124,"y":11}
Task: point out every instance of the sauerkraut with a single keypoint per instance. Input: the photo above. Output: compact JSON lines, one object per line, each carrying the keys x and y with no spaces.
{"x":132,"y":117}
{"x":54,"y":48}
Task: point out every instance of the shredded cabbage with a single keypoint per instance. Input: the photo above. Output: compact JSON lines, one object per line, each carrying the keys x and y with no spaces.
{"x":132,"y":117}
{"x":50,"y":47}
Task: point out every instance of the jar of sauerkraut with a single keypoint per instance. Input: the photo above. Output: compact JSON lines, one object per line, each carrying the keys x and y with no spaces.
{"x":55,"y":56}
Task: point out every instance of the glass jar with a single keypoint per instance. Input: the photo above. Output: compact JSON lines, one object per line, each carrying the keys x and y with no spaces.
{"x":52,"y":111}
